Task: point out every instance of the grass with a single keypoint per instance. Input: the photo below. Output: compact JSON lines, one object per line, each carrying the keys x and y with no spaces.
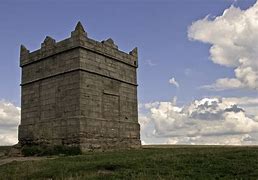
{"x":179,"y":162}
{"x":49,"y":150}
{"x":4,"y":150}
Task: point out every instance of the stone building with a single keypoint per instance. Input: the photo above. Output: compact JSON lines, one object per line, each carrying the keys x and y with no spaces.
{"x":79,"y":92}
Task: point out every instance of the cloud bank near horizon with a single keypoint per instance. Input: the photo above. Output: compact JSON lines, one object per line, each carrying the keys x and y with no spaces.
{"x":217,"y":120}
{"x":214,"y":121}
{"x":9,"y":121}
{"x":234,"y":43}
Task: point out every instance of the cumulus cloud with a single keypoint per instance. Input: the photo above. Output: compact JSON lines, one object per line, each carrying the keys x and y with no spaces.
{"x":234,"y":43}
{"x":174,"y":82}
{"x":205,"y":121}
{"x":224,"y":84}
{"x":9,"y":121}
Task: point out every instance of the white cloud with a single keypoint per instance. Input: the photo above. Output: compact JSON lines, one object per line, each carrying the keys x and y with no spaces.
{"x":234,"y":40}
{"x":206,"y":121}
{"x":9,"y":138}
{"x":174,"y":82}
{"x":243,"y":139}
{"x":9,"y":121}
{"x":242,"y":101}
{"x":224,"y":84}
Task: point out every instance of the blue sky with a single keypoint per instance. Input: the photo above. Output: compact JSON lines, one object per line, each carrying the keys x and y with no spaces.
{"x":158,"y":28}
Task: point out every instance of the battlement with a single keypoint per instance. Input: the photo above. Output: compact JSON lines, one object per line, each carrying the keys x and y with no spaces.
{"x":78,"y":39}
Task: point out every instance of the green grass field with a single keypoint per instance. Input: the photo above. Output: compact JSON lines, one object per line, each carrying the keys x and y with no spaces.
{"x":4,"y":150}
{"x":154,"y":162}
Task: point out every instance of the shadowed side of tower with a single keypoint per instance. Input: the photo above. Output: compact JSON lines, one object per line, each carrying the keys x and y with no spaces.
{"x":79,"y":92}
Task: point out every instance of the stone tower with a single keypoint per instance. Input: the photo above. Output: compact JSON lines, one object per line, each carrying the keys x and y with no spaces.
{"x":79,"y":92}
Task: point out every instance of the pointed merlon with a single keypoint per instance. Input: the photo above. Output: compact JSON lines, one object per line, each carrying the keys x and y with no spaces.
{"x":110,"y":42}
{"x":24,"y":53}
{"x":79,"y":27}
{"x":134,"y":52}
{"x":24,"y":50}
{"x":48,"y":42}
{"x":79,"y":30}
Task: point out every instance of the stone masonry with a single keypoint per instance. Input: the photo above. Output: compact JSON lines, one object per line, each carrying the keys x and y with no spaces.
{"x":79,"y":92}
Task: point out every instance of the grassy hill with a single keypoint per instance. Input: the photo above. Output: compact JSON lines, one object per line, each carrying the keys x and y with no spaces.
{"x":153,"y":162}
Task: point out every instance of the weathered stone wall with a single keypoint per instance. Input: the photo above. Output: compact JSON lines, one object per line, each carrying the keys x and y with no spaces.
{"x":79,"y":92}
{"x":107,"y":66}
{"x":51,"y":66}
{"x":109,"y":113}
{"x":50,"y":109}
